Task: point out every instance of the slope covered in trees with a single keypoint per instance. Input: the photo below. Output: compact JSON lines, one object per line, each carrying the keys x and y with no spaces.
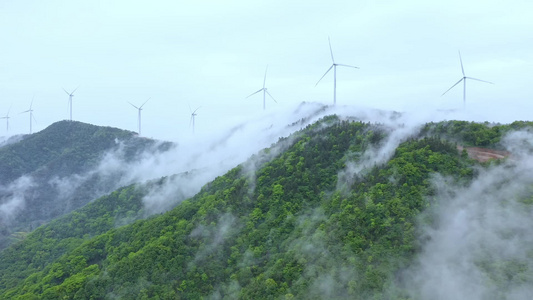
{"x":474,"y":134}
{"x":49,"y":173}
{"x":307,"y":218}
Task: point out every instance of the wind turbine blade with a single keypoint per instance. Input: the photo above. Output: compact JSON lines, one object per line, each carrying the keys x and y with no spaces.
{"x":66,"y":91}
{"x":133,"y":105}
{"x":190,"y":121}
{"x":144,"y":103}
{"x":347,"y":66}
{"x":31,"y":104}
{"x":453,"y":86}
{"x":265,"y":79}
{"x":479,"y":80}
{"x":75,"y":90}
{"x":255,"y":93}
{"x":331,"y":50}
{"x":271,"y":96}
{"x":324,"y":75}
{"x":24,"y":112}
{"x":194,"y":112}
{"x":461,"y":60}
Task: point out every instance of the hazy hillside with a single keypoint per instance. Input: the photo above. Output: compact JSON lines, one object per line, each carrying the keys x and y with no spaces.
{"x":341,"y":209}
{"x":53,"y":172}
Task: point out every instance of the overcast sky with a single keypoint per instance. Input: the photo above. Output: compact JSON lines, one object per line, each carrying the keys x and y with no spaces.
{"x":213,"y":54}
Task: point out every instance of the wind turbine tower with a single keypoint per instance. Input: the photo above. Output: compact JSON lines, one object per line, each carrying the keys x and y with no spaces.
{"x":264,"y":90}
{"x":334,"y":66}
{"x":70,"y":95}
{"x":140,"y":108}
{"x":7,"y":119}
{"x":193,"y":116}
{"x":463,"y":79}
{"x":31,"y":114}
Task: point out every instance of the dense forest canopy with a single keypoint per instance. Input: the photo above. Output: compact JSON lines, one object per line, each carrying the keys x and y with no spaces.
{"x":340,"y":209}
{"x":50,"y":173}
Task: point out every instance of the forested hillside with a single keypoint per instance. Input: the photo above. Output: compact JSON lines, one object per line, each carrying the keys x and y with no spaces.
{"x":474,"y":134}
{"x":50,"y":173}
{"x":308,"y":218}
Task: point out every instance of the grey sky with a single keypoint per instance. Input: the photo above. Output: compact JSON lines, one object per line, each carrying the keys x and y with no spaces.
{"x":214,"y":53}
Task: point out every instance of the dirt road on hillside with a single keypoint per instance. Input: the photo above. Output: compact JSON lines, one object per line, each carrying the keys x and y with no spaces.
{"x":484,"y":154}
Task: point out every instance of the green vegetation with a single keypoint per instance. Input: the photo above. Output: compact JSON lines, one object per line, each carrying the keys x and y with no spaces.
{"x":293,"y":224}
{"x":49,"y":242}
{"x":474,"y":134}
{"x":67,"y":146}
{"x":65,"y":149}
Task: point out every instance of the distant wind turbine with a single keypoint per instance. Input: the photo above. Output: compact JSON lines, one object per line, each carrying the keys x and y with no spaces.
{"x":70,"y":95}
{"x":334,"y":66}
{"x":140,"y":108}
{"x":193,"y":116}
{"x":264,"y":90}
{"x":464,"y":81}
{"x":31,"y":113}
{"x":7,"y":119}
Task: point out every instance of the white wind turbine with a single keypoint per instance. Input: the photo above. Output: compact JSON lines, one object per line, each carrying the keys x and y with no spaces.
{"x":7,"y":119}
{"x":140,"y":108}
{"x":463,"y":79}
{"x":70,"y":95}
{"x":334,"y":66}
{"x":31,"y":114}
{"x":264,"y":90}
{"x":193,"y":116}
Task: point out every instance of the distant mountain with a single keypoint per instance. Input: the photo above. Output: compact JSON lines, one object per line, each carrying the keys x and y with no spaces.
{"x":54,"y":171}
{"x":341,"y":209}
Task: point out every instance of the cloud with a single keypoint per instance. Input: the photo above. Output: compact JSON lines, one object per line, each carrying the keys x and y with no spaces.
{"x":202,"y":157}
{"x":396,"y":127}
{"x":14,"y":197}
{"x":481,"y":243}
{"x":8,"y":140}
{"x":173,"y":190}
{"x":326,"y":273}
{"x":206,"y":156}
{"x":214,"y":234}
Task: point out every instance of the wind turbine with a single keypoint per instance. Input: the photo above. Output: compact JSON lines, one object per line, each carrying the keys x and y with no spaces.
{"x":31,"y":113}
{"x":463,"y":79}
{"x":140,"y":108}
{"x":7,"y":119}
{"x":334,"y":66}
{"x":264,"y":89}
{"x":70,"y":95}
{"x":193,"y":115}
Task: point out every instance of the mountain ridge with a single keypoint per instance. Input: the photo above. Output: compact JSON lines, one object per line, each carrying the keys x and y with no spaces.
{"x":337,"y":210}
{"x":55,"y":165}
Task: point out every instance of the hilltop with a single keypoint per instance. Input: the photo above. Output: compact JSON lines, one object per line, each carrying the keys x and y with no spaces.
{"x":52,"y":172}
